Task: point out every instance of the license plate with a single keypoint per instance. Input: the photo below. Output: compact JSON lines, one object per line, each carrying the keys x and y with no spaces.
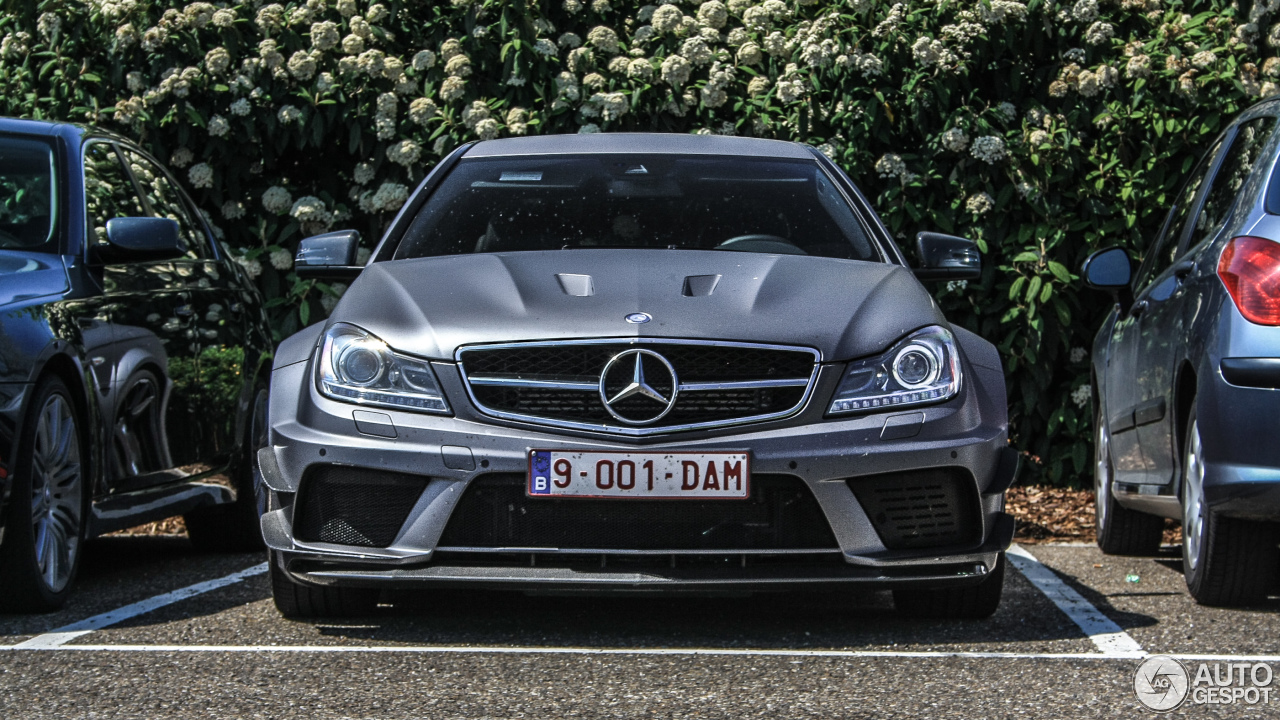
{"x":701,"y":476}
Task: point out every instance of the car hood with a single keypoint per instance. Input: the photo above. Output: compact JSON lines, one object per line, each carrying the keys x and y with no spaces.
{"x":25,"y":275}
{"x":843,"y":308}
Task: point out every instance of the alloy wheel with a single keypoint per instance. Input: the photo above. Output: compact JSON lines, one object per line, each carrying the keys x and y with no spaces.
{"x":1193,"y":497}
{"x":1102,"y":474}
{"x":56,"y":492}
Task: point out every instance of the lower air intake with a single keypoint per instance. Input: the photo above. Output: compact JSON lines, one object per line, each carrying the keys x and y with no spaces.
{"x":921,"y":508}
{"x":781,"y":513}
{"x":354,"y":506}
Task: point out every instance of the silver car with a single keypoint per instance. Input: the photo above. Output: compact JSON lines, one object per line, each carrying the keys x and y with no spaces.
{"x":637,"y":363}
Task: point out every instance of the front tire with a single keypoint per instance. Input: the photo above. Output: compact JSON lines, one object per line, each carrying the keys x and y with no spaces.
{"x":1121,"y":531}
{"x":304,"y":602}
{"x":973,"y":602}
{"x":45,"y":523}
{"x":236,"y":527}
{"x":1226,"y":561}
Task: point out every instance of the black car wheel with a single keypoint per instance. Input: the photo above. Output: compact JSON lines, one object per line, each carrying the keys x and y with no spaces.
{"x":46,"y":516}
{"x":1121,"y":531}
{"x":973,"y":602}
{"x":236,"y":527}
{"x":298,"y":601}
{"x":1226,"y":561}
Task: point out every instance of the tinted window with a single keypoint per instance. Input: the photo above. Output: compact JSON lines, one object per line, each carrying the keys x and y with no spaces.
{"x":26,"y":194}
{"x":1236,"y":166}
{"x":108,"y":190}
{"x":1165,"y":250}
{"x":615,"y":201}
{"x":165,"y":201}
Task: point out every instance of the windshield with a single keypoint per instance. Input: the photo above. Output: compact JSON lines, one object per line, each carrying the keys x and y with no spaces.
{"x":624,"y":201}
{"x":26,"y":194}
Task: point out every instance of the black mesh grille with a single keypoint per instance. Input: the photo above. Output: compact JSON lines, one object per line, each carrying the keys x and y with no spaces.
{"x":354,"y":506}
{"x":691,"y":407}
{"x":923,"y":508}
{"x":692,"y":363}
{"x":780,"y":514}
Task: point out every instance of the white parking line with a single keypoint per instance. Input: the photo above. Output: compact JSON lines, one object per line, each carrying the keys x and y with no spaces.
{"x":534,"y":650}
{"x":680,"y":652}
{"x":59,"y":637}
{"x":1110,"y":638}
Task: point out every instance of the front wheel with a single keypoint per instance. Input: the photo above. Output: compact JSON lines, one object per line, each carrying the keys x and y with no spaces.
{"x":46,"y":517}
{"x":973,"y":602}
{"x":303,"y":602}
{"x":1121,"y":531}
{"x":1226,"y":561}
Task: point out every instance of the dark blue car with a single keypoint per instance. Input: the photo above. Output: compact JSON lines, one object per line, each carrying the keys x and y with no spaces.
{"x":1187,"y":374}
{"x":133,"y":359}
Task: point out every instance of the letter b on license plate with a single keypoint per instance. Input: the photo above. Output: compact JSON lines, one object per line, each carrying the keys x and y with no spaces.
{"x":711,"y":475}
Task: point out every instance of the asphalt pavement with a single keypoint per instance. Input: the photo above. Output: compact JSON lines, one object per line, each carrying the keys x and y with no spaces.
{"x":157,"y":630}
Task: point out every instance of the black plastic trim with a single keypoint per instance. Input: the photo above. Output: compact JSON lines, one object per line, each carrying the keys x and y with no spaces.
{"x":1252,"y":372}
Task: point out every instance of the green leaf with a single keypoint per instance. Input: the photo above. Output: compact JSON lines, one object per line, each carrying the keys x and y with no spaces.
{"x":1059,"y":271}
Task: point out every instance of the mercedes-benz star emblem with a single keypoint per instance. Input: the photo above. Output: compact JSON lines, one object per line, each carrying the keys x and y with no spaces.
{"x":637,"y":318}
{"x":638,"y":386}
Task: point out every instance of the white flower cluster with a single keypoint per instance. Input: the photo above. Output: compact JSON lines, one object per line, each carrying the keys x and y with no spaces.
{"x":929,"y":52}
{"x":979,"y":203}
{"x":989,"y":149}
{"x":312,"y":215}
{"x":280,"y":259}
{"x":218,"y":126}
{"x":1082,"y":395}
{"x":955,"y":140}
{"x":1079,"y":354}
{"x":277,"y":200}
{"x":892,"y":166}
{"x":388,"y":198}
{"x":405,"y":152}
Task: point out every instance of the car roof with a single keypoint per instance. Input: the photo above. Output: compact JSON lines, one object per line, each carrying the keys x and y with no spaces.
{"x":55,"y":128}
{"x":639,"y":144}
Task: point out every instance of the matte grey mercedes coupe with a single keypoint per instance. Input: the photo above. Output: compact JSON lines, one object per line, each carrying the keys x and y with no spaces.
{"x":637,"y":362}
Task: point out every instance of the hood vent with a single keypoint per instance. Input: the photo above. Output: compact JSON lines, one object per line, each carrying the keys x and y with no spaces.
{"x":576,"y":285}
{"x":700,"y":285}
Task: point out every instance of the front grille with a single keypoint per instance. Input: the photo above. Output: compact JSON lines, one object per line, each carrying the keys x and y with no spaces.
{"x":354,"y":506}
{"x":558,"y":384}
{"x":781,"y":514}
{"x":690,"y":408}
{"x":922,"y":508}
{"x":692,"y":362}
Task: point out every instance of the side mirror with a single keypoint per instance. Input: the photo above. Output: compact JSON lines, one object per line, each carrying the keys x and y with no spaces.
{"x":1108,"y":269}
{"x":133,"y":239}
{"x":947,"y":257}
{"x":331,"y":256}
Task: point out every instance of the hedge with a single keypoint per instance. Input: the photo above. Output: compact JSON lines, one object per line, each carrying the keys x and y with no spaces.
{"x":1043,"y":130}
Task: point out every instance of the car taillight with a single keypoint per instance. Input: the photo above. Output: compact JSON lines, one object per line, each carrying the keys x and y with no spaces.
{"x":1250,"y":268}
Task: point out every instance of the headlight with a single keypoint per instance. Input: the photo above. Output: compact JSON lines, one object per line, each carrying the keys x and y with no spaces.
{"x":923,"y":368}
{"x":358,"y":367}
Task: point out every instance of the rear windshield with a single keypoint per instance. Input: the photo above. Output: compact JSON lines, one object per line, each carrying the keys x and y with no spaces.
{"x":26,"y":194}
{"x":623,"y":201}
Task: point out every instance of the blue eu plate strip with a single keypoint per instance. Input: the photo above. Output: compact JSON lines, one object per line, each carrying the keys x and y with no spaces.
{"x":540,"y":473}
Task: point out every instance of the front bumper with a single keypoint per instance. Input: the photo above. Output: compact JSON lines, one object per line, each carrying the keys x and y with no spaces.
{"x":308,"y":430}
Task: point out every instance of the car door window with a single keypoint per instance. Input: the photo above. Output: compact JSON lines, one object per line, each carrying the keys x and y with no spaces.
{"x":1165,"y":250}
{"x":1245,"y":150}
{"x":108,"y":190}
{"x":166,"y":201}
{"x":27,"y":194}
